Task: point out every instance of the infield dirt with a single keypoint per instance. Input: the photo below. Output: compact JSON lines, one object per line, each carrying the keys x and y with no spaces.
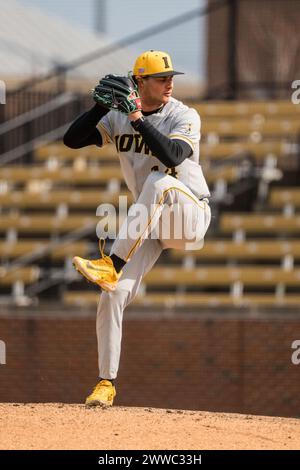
{"x":67,"y":426}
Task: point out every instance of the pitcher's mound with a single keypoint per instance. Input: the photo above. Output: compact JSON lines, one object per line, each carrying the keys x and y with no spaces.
{"x":62,"y":426}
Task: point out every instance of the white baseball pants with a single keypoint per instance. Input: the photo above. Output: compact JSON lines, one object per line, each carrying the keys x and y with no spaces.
{"x":141,"y":250}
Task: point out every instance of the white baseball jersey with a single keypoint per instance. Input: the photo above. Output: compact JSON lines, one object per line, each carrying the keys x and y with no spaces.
{"x":175,"y":120}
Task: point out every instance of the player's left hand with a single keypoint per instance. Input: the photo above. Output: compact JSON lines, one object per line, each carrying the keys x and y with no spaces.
{"x":118,"y":93}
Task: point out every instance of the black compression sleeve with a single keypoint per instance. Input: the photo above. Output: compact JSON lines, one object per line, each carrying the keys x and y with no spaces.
{"x":83,"y":131}
{"x":171,"y":152}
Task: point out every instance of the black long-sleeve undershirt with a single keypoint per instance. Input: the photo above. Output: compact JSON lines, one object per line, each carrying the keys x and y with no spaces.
{"x":171,"y":152}
{"x":83,"y":132}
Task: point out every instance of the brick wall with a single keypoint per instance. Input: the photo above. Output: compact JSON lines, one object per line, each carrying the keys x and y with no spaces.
{"x":218,"y":364}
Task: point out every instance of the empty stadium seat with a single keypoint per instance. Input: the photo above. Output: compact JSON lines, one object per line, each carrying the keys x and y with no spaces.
{"x":259,"y":223}
{"x":222,"y":276}
{"x":208,"y":150}
{"x":18,"y":248}
{"x":280,"y":197}
{"x":244,"y":127}
{"x":53,"y":224}
{"x":91,"y":298}
{"x":232,"y":109}
{"x":79,"y":199}
{"x":63,"y":153}
{"x":250,"y":249}
{"x":26,"y":275}
{"x":217,"y":150}
{"x":88,"y":175}
{"x":35,"y":224}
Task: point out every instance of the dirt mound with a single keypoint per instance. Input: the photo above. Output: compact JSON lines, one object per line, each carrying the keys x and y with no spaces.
{"x":62,"y":426}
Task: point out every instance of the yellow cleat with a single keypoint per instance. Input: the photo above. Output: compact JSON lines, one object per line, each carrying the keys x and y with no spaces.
{"x":102,"y":395}
{"x":100,"y":271}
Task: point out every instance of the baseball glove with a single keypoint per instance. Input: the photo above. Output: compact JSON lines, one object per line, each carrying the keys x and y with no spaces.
{"x":118,"y":93}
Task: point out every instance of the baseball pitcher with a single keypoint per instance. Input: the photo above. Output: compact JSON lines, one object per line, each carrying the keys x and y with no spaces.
{"x":157,"y":140}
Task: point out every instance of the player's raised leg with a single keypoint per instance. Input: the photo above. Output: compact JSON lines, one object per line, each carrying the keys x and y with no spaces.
{"x":109,"y":320}
{"x":186,"y":226}
{"x":160,"y":191}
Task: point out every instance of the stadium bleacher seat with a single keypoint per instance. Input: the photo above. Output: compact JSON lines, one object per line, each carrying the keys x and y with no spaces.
{"x":26,"y":275}
{"x":36,"y":224}
{"x":69,"y":175}
{"x":233,"y":268}
{"x":62,"y":153}
{"x":222,"y":276}
{"x":283,"y":196}
{"x":18,"y":248}
{"x":218,"y":150}
{"x":79,"y":199}
{"x":87,"y":176}
{"x":170,"y":299}
{"x":260,"y":223}
{"x":251,"y":249}
{"x":244,"y":127}
{"x":209,"y":150}
{"x":236,"y":109}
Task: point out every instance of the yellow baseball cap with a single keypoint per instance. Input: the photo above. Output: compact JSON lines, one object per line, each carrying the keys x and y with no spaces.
{"x":154,"y":64}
